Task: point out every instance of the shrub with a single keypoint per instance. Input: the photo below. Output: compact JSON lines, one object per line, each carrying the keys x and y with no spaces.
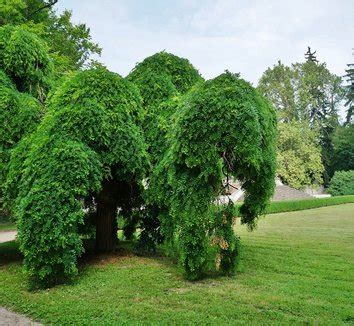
{"x":302,"y":204}
{"x":342,"y":183}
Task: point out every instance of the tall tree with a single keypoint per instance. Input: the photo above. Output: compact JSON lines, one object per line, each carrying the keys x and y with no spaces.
{"x":307,"y":92}
{"x":350,"y":93}
{"x":343,"y":141}
{"x":310,"y":56}
{"x":278,"y":84}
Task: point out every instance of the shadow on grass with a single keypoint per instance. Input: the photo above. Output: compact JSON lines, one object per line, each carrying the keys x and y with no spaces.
{"x":10,"y":253}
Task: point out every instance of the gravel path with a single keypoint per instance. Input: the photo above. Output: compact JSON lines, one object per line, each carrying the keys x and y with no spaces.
{"x":7,"y":236}
{"x":8,"y":318}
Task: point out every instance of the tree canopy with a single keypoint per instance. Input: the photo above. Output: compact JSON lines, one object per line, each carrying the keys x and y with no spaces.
{"x":156,"y":145}
{"x":309,"y":93}
{"x":343,"y":142}
{"x":224,"y":129}
{"x":71,"y":45}
{"x":88,"y":140}
{"x":298,"y":155}
{"x":24,"y":68}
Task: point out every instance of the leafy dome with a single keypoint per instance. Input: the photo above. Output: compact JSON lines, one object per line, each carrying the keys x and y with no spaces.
{"x":224,"y":128}
{"x":89,"y":134}
{"x":162,"y":76}
{"x":162,"y":80}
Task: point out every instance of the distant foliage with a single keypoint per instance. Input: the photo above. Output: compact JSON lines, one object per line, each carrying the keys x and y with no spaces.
{"x":309,"y":93}
{"x":70,"y":44}
{"x":342,"y":183}
{"x":343,"y":142}
{"x":224,"y":129}
{"x":89,"y":134}
{"x":298,"y":155}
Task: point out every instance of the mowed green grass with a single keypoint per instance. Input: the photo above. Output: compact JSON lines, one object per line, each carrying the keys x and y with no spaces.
{"x":7,"y":226}
{"x":297,"y":267}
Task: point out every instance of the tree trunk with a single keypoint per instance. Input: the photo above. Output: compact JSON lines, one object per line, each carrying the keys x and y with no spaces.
{"x":106,"y":216}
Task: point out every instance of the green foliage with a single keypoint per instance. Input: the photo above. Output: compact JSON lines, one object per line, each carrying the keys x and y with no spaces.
{"x":72,"y":41}
{"x":20,"y":114}
{"x":298,"y":155}
{"x":223,"y":128}
{"x":342,"y":183}
{"x":71,"y":45}
{"x":224,"y":237}
{"x":306,"y":92}
{"x":302,"y":204}
{"x":162,"y":80}
{"x":89,"y":134}
{"x":11,"y":11}
{"x":162,"y":75}
{"x":343,"y":142}
{"x":349,"y":93}
{"x":24,"y":58}
{"x":277,"y":84}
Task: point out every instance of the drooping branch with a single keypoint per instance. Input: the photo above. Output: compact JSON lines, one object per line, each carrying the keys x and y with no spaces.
{"x":45,"y":6}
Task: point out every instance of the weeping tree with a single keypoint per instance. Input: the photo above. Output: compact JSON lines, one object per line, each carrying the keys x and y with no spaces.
{"x":157,"y":146}
{"x":163,"y":79}
{"x":87,"y":155}
{"x":224,"y":129}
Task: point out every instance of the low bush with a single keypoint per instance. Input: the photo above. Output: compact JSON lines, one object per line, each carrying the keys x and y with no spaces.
{"x":342,"y":183}
{"x":302,"y":204}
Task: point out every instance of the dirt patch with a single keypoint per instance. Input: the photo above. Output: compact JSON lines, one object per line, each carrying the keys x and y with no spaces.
{"x":105,"y":259}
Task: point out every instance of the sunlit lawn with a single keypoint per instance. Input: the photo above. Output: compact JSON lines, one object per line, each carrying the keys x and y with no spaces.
{"x":296,"y":267}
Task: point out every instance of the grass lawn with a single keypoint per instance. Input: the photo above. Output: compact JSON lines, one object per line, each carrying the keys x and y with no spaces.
{"x":7,"y":226}
{"x":297,"y":267}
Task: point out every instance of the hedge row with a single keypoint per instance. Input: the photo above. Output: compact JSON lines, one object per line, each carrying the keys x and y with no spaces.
{"x":298,"y":205}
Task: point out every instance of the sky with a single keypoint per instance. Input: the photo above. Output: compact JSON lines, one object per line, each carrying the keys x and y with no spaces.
{"x":244,"y":36}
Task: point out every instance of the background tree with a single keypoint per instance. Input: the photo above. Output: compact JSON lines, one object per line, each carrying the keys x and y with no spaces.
{"x":343,"y":142}
{"x":70,"y":44}
{"x":298,"y":155}
{"x":342,"y":183}
{"x":306,"y":92}
{"x":310,"y":56}
{"x":278,"y":84}
{"x":349,"y":93}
